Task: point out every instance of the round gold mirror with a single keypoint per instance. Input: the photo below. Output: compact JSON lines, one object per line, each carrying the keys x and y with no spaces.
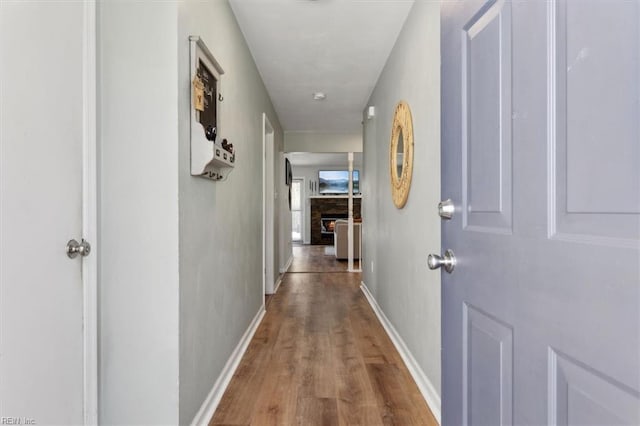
{"x":401,"y":154}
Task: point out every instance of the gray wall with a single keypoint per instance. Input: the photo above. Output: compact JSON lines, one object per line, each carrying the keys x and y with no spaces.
{"x":398,"y":240}
{"x":181,"y":257}
{"x":221,"y":222}
{"x":138,"y":212}
{"x":371,"y":203}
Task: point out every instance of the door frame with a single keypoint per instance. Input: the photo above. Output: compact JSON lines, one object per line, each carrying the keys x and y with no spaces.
{"x":268,"y":210}
{"x":303,"y":207}
{"x":90,"y":214}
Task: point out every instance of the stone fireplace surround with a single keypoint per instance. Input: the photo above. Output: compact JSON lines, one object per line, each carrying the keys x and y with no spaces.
{"x":332,"y":208}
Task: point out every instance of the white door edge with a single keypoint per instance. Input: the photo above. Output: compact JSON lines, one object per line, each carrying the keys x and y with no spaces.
{"x":264,"y":207}
{"x":90,"y":215}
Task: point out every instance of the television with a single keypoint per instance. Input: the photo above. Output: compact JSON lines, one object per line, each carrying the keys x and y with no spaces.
{"x":337,"y":182}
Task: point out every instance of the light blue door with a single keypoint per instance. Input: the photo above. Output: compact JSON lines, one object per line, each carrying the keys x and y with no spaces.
{"x":540,"y":153}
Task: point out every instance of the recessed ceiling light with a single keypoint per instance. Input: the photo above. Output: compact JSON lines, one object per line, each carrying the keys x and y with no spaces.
{"x":319,"y":96}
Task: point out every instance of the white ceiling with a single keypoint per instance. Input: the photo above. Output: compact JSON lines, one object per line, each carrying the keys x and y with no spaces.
{"x":323,"y":159}
{"x":338,"y":47}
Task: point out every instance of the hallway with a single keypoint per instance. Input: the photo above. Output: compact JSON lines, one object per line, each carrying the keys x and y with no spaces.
{"x":155,"y":162}
{"x":320,"y":356}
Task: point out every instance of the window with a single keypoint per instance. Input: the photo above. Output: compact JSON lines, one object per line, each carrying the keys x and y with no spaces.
{"x":296,"y":210}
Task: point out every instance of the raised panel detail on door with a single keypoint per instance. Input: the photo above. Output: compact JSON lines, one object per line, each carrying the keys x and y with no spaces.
{"x":487,"y":369}
{"x":579,"y":395}
{"x":486,"y":123}
{"x":594,"y":143}
{"x":567,"y":276}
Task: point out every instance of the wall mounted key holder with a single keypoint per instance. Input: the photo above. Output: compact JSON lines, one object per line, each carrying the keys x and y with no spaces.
{"x":209,"y":159}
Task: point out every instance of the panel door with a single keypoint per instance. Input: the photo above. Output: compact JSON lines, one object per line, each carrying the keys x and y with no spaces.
{"x":41,"y":133}
{"x":541,"y":155}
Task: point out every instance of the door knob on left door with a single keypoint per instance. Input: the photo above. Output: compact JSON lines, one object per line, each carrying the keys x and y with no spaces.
{"x":448,"y":261}
{"x":75,"y":248}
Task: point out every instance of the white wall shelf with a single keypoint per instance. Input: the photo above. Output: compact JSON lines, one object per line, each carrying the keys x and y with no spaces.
{"x":220,"y":165}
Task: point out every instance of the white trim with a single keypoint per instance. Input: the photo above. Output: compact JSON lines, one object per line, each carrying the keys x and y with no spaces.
{"x":90,"y":215}
{"x":268,"y":231}
{"x":208,"y":407}
{"x":264,"y":209}
{"x":427,"y":389}
{"x":288,"y":265}
{"x":208,"y":56}
{"x":277,"y":285}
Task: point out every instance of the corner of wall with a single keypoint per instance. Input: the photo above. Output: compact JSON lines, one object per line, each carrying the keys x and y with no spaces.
{"x":138,"y":128}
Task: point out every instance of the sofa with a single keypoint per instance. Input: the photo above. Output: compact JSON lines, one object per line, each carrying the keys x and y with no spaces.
{"x":340,"y":243}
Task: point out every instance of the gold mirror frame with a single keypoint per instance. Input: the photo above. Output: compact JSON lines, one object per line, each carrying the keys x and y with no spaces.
{"x":402,"y":123}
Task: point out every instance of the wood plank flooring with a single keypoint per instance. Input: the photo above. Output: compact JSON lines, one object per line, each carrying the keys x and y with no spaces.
{"x":314,"y":259}
{"x":320,"y":357}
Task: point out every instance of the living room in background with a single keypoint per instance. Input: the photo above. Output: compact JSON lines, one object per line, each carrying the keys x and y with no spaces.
{"x":297,"y":212}
{"x":307,"y":166}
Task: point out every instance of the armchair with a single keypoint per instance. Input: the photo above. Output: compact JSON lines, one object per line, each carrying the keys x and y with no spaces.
{"x":340,"y":242}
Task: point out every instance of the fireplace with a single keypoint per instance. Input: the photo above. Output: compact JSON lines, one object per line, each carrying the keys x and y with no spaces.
{"x":328,"y":222}
{"x":324,"y":211}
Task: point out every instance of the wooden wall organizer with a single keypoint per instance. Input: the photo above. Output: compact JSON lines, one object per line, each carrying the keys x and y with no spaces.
{"x":208,"y":158}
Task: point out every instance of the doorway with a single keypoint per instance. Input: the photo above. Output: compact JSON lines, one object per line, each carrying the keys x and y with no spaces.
{"x":320,"y":200}
{"x":297,"y":210}
{"x":268,"y":194}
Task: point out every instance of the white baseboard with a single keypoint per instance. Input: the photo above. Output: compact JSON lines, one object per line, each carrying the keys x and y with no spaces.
{"x":287,"y":266}
{"x":277,"y":285}
{"x":210,"y":404}
{"x":427,"y":389}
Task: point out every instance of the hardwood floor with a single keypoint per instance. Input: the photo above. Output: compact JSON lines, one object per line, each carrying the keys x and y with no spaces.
{"x":320,"y":357}
{"x":315,"y":259}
